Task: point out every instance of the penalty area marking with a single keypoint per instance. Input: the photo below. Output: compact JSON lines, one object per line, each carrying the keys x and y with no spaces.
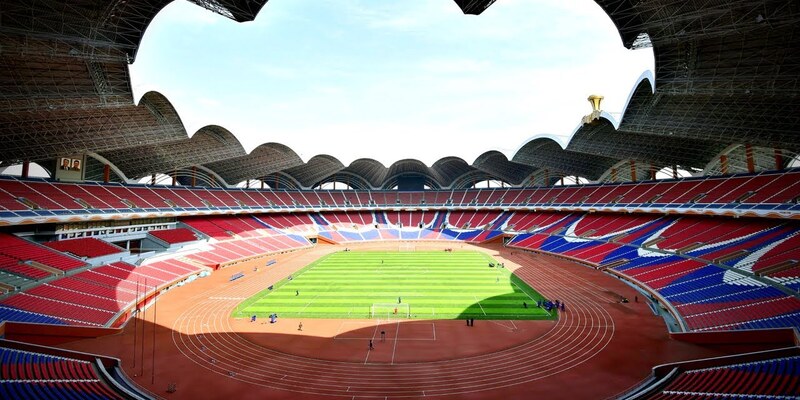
{"x":511,"y":328}
{"x":359,"y":325}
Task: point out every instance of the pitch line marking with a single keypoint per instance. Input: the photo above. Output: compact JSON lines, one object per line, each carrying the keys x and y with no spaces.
{"x":504,"y":325}
{"x":227,"y":298}
{"x":479,"y":304}
{"x":396,"y":335}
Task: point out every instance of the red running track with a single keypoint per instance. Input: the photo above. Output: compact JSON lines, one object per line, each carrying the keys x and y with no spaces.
{"x":596,"y":349}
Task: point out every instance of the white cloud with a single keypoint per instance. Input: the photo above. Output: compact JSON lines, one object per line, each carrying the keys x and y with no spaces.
{"x":392,"y":80}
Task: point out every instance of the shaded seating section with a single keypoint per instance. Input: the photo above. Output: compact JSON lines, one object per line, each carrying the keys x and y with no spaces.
{"x":73,"y":313}
{"x":174,"y":236}
{"x":16,"y":267}
{"x":702,"y":266}
{"x":32,"y":375}
{"x":93,"y":297}
{"x":106,"y":198}
{"x":763,"y":191}
{"x":13,"y":314}
{"x":776,"y":378}
{"x":13,"y":248}
{"x":85,"y":247}
{"x":10,"y":282}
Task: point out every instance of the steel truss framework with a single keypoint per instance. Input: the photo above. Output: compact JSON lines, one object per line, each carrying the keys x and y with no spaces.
{"x":727,"y":74}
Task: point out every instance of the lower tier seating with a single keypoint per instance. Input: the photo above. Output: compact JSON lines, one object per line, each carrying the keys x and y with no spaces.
{"x":704,"y":267}
{"x":31,"y":375}
{"x":776,"y":378}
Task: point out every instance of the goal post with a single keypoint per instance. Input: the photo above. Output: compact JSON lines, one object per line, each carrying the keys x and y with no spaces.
{"x":390,"y":310}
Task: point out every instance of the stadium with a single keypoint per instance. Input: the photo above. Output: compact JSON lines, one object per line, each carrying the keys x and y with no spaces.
{"x":656,"y":256}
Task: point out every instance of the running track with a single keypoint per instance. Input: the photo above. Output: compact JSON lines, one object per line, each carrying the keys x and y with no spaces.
{"x":569,"y":359}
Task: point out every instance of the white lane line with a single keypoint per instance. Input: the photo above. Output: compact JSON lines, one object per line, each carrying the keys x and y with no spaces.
{"x":479,"y":305}
{"x":397,"y":336}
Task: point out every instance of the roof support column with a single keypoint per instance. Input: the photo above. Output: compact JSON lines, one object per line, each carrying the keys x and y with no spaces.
{"x":194,"y":176}
{"x":633,"y":170}
{"x":153,"y":180}
{"x":26,"y":168}
{"x":613,"y":174}
{"x":106,"y":173}
{"x":778,"y":160}
{"x":652,"y":172}
{"x":262,"y":184}
{"x":175,"y":178}
{"x":723,"y":164}
{"x":748,"y":154}
{"x":674,"y":172}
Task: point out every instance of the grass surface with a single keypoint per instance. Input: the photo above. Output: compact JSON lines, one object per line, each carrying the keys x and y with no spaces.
{"x":435,"y":285}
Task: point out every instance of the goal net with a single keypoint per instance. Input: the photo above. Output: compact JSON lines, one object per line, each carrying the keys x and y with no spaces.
{"x":390,"y":311}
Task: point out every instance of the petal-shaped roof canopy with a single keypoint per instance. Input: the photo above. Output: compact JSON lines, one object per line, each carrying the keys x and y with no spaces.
{"x":727,"y":74}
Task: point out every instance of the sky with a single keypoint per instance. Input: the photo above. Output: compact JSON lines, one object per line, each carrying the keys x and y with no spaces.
{"x":390,"y":79}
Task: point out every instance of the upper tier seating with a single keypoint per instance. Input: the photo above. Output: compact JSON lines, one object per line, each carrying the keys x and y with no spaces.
{"x":763,"y":191}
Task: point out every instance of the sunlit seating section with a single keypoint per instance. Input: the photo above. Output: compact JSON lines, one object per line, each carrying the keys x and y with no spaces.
{"x":239,"y":249}
{"x":85,"y":247}
{"x":23,"y":250}
{"x":93,"y":297}
{"x":174,"y":236}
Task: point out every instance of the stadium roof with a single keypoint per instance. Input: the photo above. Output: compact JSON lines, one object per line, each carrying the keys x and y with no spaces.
{"x":727,"y":72}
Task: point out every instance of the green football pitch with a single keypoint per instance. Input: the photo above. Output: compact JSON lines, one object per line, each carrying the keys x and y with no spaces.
{"x":388,"y":285}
